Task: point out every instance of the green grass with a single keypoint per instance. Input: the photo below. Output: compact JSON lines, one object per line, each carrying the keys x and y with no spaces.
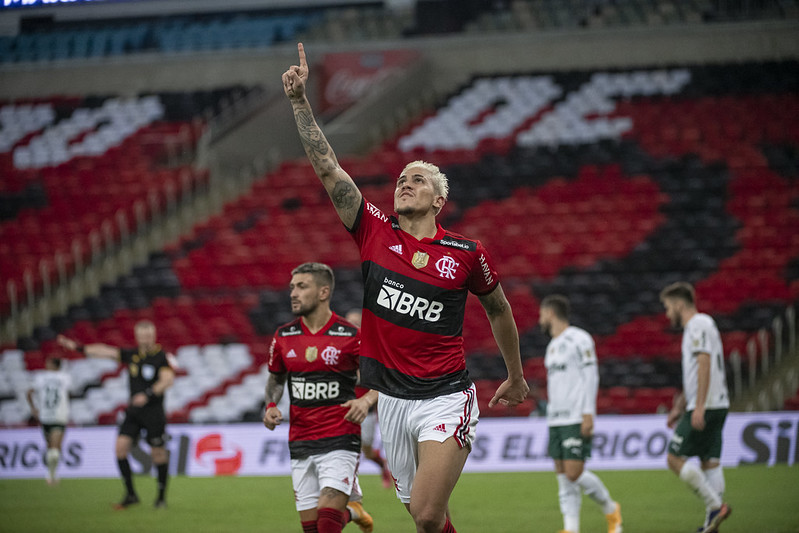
{"x":764,"y":500}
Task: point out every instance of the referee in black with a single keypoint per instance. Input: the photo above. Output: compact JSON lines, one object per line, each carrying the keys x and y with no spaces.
{"x":150,"y":375}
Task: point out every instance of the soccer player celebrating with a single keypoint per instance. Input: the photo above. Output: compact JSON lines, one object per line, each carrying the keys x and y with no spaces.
{"x":150,"y":374}
{"x":48,"y":398}
{"x":572,"y":383}
{"x":317,"y":353}
{"x":417,"y":277}
{"x":700,"y":410}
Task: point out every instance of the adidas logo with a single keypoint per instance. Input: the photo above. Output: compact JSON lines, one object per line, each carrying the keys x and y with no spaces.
{"x":441,"y":428}
{"x":396,"y":248}
{"x":291,"y":353}
{"x":347,"y":481}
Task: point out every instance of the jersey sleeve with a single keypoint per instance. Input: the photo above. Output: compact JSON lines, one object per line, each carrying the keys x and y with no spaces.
{"x":369,"y":216}
{"x":483,"y":277}
{"x":699,"y":337}
{"x":590,"y":374}
{"x":275,"y":363}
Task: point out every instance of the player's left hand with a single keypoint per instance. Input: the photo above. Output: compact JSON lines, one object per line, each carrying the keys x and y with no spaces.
{"x":698,"y":419}
{"x":358,"y":410}
{"x":587,"y":427}
{"x":139,"y":399}
{"x":510,"y":393}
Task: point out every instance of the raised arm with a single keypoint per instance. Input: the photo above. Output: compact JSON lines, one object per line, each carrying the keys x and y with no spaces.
{"x":513,"y":390}
{"x":339,"y":185}
{"x":99,"y":350}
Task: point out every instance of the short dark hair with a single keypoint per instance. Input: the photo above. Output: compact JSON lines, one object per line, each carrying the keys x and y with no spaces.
{"x":322,"y":274}
{"x":680,"y":290}
{"x":559,"y":304}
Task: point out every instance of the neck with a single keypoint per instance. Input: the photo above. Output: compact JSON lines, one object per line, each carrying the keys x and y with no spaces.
{"x":688,"y":314}
{"x":419,"y":227}
{"x":317,"y":318}
{"x":558,"y":327}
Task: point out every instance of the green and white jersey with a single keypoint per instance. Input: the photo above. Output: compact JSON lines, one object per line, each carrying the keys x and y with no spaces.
{"x":51,"y":396}
{"x":572,"y":377}
{"x":702,"y":336}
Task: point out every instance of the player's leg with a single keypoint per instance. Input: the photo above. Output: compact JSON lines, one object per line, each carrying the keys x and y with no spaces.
{"x":124,"y":443}
{"x":686,"y":443}
{"x":445,"y":428}
{"x":574,"y":467}
{"x":569,"y":497}
{"x":54,"y":435}
{"x":711,"y":465}
{"x":306,"y":492}
{"x":356,"y":513}
{"x":440,"y":466}
{"x":155,"y":425}
{"x":368,"y":429}
{"x":336,"y":472}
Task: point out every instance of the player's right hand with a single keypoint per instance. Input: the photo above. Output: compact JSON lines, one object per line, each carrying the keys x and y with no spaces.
{"x":272,"y":418}
{"x":295,"y":77}
{"x":65,"y":342}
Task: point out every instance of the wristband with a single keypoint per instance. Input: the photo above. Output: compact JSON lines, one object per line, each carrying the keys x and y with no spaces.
{"x":271,"y":405}
{"x":80,"y":349}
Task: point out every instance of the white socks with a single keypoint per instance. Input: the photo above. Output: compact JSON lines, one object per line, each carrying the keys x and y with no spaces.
{"x":52,"y":458}
{"x":715,"y":476}
{"x":570,"y":500}
{"x":596,"y":490}
{"x":696,"y":479}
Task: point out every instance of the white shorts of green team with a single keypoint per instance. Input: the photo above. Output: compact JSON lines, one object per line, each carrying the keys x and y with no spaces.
{"x":405,"y":423}
{"x":337,"y":469}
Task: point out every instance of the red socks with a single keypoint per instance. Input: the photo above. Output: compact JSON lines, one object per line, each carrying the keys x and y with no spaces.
{"x":329,"y":520}
{"x":309,"y":527}
{"x":448,"y":527}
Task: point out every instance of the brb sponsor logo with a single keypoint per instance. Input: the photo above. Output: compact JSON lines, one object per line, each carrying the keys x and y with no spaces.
{"x":392,"y":296}
{"x":307,"y":390}
{"x":224,"y":459}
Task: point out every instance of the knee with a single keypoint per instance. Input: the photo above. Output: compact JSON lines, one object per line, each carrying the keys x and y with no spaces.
{"x":674,"y":463}
{"x":159,"y":456}
{"x":428,"y":520}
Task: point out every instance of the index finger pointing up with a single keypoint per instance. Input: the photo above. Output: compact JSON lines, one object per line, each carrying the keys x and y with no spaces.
{"x":301,"y":50}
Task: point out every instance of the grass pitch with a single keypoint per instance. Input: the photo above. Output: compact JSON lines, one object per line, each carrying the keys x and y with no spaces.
{"x":764,"y":500}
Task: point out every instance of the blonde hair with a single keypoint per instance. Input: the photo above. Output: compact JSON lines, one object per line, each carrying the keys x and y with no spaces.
{"x":439,"y":179}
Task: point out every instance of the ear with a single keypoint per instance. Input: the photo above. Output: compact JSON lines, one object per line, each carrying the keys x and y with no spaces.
{"x":324,"y":293}
{"x":438,"y":204}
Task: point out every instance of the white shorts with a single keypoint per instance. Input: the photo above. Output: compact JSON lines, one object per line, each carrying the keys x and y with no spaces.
{"x":368,"y":428}
{"x":336,"y":469}
{"x":405,"y":423}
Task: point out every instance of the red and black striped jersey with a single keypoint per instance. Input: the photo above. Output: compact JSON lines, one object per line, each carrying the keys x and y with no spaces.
{"x":322,"y":371}
{"x":414,"y":303}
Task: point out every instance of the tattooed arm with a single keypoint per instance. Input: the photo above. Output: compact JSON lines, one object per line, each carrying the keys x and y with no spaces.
{"x":514,"y":390}
{"x":339,"y":185}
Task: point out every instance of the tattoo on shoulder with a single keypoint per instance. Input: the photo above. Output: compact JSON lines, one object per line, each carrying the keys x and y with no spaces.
{"x":343,"y":195}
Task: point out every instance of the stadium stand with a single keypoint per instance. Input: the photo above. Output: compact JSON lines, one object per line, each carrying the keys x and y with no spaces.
{"x":606,"y":184}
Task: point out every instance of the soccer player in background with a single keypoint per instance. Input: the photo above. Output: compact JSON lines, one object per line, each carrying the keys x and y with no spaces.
{"x":317,"y":354}
{"x":48,"y":398}
{"x":416,"y":280}
{"x":150,"y":374}
{"x":700,"y":410}
{"x":369,"y":424}
{"x":572,"y":385}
